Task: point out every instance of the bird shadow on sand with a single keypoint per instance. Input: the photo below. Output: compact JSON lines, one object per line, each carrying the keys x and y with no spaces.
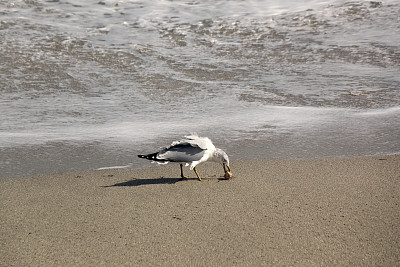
{"x":148,"y":181}
{"x":154,"y":181}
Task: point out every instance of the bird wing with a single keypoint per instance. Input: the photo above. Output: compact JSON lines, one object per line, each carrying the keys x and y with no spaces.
{"x":202,"y":142}
{"x":181,"y":151}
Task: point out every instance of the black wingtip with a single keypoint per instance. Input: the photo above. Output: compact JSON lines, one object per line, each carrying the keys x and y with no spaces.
{"x":149,"y":156}
{"x":152,"y":157}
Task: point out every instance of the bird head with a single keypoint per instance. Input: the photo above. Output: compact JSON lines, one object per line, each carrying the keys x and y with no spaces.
{"x":224,"y":159}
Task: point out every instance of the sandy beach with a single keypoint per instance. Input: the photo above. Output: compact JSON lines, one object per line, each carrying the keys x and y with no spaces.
{"x":314,"y":212}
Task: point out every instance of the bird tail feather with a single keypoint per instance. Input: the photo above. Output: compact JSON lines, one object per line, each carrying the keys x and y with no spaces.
{"x":153,"y":157}
{"x":149,"y":156}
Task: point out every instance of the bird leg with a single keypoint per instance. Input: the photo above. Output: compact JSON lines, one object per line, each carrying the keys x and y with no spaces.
{"x":183,"y":176}
{"x":198,"y":176}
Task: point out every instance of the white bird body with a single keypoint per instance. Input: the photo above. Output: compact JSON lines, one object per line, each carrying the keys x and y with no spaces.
{"x":191,"y":150}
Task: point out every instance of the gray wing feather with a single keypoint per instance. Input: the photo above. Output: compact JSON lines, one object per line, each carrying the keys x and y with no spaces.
{"x":194,"y":140}
{"x":181,"y":152}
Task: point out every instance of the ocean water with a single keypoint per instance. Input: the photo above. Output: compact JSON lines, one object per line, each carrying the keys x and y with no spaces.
{"x":90,"y":85}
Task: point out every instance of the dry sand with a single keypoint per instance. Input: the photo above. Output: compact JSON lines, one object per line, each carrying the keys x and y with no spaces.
{"x":319,"y":212}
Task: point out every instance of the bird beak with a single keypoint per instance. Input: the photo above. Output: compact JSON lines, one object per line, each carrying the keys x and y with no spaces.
{"x":225,"y":166}
{"x":229,"y":169}
{"x":228,"y":173}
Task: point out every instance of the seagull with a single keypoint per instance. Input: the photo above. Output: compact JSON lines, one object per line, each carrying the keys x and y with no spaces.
{"x":194,"y":150}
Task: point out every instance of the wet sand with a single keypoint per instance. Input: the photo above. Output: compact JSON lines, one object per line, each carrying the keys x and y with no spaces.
{"x":273,"y":212}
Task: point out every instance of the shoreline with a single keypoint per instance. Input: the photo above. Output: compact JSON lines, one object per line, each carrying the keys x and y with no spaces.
{"x":273,"y":212}
{"x":64,"y":157}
